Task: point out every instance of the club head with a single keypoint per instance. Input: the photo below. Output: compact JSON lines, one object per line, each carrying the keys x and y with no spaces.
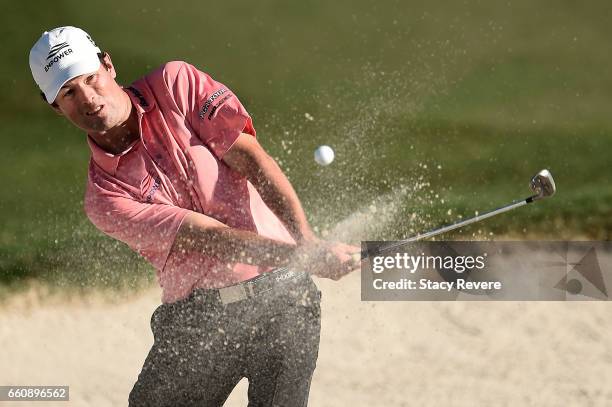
{"x":543,"y":185}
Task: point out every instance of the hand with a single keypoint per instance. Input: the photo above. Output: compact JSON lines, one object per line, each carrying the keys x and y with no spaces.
{"x":329,"y":259}
{"x":340,"y":260}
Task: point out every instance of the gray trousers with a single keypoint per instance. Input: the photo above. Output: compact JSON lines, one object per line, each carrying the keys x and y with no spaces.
{"x":203,"y":348}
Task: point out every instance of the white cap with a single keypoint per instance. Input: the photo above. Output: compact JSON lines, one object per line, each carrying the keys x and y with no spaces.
{"x":60,"y":55}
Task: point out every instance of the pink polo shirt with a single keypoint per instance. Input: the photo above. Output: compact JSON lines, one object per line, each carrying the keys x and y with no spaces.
{"x":187,"y":122}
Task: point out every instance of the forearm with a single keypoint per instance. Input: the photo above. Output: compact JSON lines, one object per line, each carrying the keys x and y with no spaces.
{"x":278,"y":193}
{"x":248,"y":158}
{"x":200,"y":233}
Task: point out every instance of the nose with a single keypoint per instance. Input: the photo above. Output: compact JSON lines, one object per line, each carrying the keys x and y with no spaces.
{"x":87,"y":96}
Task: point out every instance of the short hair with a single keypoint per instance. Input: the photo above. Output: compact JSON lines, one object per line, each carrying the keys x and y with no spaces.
{"x":101,"y":56}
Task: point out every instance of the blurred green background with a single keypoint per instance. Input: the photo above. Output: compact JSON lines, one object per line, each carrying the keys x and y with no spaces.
{"x":459,"y":103}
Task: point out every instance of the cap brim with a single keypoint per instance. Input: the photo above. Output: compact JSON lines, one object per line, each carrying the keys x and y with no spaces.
{"x":77,"y":69}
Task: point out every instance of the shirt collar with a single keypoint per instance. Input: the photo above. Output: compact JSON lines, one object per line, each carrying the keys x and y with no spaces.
{"x":107,"y":161}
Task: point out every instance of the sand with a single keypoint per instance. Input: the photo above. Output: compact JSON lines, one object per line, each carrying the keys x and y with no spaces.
{"x":372,"y":354}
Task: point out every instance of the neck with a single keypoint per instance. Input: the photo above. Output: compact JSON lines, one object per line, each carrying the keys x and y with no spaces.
{"x":120,"y":137}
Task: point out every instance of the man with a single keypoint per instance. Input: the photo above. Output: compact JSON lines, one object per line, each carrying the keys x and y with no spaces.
{"x":177,"y":174}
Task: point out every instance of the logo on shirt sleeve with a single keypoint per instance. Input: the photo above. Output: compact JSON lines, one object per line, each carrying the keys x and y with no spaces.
{"x":215,"y":107}
{"x":209,"y":101}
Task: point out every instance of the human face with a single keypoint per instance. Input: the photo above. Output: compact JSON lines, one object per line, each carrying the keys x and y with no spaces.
{"x":94,"y":102}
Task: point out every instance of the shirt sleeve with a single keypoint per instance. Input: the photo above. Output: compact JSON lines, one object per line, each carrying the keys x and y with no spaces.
{"x":211,"y":108}
{"x":149,"y":229}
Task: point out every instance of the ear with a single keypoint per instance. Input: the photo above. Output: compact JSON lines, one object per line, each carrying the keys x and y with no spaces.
{"x":107,"y":63}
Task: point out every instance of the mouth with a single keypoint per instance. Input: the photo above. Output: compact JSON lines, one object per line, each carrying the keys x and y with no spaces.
{"x":95,"y":112}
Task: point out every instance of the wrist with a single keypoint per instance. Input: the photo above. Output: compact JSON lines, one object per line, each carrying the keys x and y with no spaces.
{"x":305,"y":237}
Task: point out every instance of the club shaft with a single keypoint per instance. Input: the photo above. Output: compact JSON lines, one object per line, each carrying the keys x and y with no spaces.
{"x":452,"y":226}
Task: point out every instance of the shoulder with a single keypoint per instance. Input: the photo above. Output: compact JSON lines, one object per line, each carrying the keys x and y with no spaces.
{"x":171,"y":72}
{"x":179,"y":85}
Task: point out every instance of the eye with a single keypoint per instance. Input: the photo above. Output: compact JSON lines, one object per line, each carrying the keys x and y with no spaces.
{"x":91,"y":77}
{"x":68,"y":92}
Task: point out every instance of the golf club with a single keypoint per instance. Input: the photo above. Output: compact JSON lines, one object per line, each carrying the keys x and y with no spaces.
{"x":542,"y":184}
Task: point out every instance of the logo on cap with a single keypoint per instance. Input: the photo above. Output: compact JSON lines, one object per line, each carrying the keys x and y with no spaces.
{"x":54,"y":53}
{"x":54,"y":50}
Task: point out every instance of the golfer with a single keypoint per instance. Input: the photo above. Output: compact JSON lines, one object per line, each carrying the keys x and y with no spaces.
{"x":176,"y":173}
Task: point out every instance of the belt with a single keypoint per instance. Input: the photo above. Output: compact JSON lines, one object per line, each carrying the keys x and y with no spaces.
{"x":257,"y":285}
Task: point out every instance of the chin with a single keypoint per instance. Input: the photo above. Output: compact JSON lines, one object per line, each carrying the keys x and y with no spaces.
{"x":100,"y":126}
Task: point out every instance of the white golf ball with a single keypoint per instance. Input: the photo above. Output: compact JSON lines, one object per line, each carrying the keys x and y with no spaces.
{"x":324,"y":155}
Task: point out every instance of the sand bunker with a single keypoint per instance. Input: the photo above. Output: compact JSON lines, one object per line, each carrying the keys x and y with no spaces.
{"x":372,"y":354}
